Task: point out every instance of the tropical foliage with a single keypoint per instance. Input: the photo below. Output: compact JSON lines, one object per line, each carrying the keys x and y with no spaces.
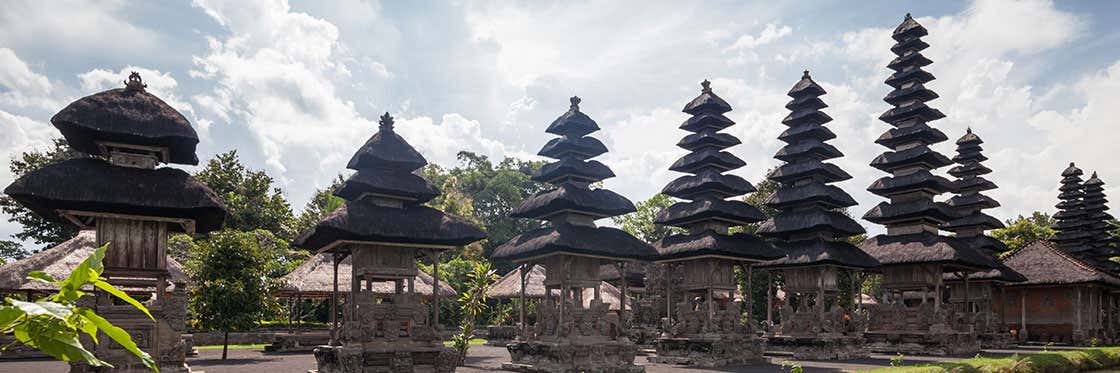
{"x":33,"y":227}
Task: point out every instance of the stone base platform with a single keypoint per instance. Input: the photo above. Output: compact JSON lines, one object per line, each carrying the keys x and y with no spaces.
{"x":708,"y":352}
{"x":996,"y":341}
{"x":823,"y":347}
{"x":929,"y":343}
{"x":644,"y":336}
{"x":301,"y":342}
{"x":573,"y":356}
{"x":382,"y":358}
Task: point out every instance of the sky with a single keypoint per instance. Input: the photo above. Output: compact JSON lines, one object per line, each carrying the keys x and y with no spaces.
{"x":296,"y":86}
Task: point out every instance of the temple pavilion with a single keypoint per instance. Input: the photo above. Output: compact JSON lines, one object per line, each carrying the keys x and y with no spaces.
{"x":384,"y":228}
{"x":571,"y":334}
{"x":978,"y":294}
{"x":913,"y":256}
{"x":118,"y":192}
{"x":704,"y":328}
{"x":811,"y":228}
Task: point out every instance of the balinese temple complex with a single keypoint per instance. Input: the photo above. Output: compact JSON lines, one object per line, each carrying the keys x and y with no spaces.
{"x":571,"y":334}
{"x":384,"y":228}
{"x":812,"y":229}
{"x":704,"y":328}
{"x":117,"y":191}
{"x":913,"y":255}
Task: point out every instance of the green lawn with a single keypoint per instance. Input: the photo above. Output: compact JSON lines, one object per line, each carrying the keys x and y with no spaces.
{"x":233,"y":347}
{"x":1048,"y":361}
{"x":473,"y":342}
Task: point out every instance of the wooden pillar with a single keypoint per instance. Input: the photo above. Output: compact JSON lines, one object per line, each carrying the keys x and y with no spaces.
{"x":521,"y":312}
{"x":967,"y":308}
{"x":1077,"y":312}
{"x":668,"y":292}
{"x":770,"y":298}
{"x":1023,"y":314}
{"x":334,"y":302}
{"x":299,"y":313}
{"x":711,"y":299}
{"x":435,"y":291}
{"x":622,"y":302}
{"x":750,"y":292}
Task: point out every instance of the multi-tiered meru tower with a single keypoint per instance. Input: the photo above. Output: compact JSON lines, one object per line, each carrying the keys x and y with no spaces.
{"x":1071,"y":229}
{"x":571,"y":334}
{"x":913,"y":256}
{"x":385,"y":228}
{"x":812,"y":229}
{"x":978,"y":294}
{"x":133,"y":206}
{"x":704,"y":318}
{"x":1097,"y":224}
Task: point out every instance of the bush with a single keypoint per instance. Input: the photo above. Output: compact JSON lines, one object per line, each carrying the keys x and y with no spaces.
{"x":1048,"y":361}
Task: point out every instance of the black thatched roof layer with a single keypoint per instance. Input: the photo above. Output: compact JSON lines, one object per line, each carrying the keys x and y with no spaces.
{"x":969,"y":202}
{"x":706,"y":121}
{"x":817,"y":170}
{"x":573,"y":123}
{"x":1070,"y":225}
{"x":568,"y":197}
{"x":1042,"y":263}
{"x":574,"y":239}
{"x":127,"y":115}
{"x":93,"y":185}
{"x":985,"y":243}
{"x":709,"y":139}
{"x":363,"y":220}
{"x":708,"y":183}
{"x":916,"y":156}
{"x":707,"y":158}
{"x":806,"y":221}
{"x":926,"y":210}
{"x":1003,"y":274}
{"x":813,"y":252}
{"x":918,"y":248}
{"x":887,"y":186}
{"x":574,"y":169}
{"x":684,"y":214}
{"x":1097,"y":222}
{"x":574,"y":147}
{"x":388,"y":150}
{"x":920,"y":132}
{"x":405,"y":185}
{"x":707,"y":102}
{"x":741,"y":245}
{"x":820,"y":194}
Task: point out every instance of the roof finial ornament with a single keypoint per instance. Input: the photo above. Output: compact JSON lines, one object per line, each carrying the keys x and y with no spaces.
{"x":134,"y":83}
{"x":968,"y":130}
{"x":386,"y":123}
{"x":805,"y":75}
{"x":1094,"y":175}
{"x":908,"y":16}
{"x":575,"y":103}
{"x":1071,"y":164}
{"x":706,"y":86}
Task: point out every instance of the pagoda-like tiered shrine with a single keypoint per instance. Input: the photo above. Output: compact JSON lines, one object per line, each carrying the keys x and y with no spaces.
{"x":572,"y":334}
{"x":1071,"y":229}
{"x":704,"y":318}
{"x":979,"y":293}
{"x":118,"y":191}
{"x":1103,"y":245}
{"x":812,"y":229}
{"x":385,"y":228}
{"x":913,"y":256}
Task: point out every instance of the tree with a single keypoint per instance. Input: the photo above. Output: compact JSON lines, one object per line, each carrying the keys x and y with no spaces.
{"x":11,"y":250}
{"x":252,"y":200}
{"x":232,"y":289}
{"x":323,"y":202}
{"x":494,"y":190}
{"x":473,"y":303}
{"x":35,"y":228}
{"x":1023,"y":230}
{"x":640,"y":223}
{"x":53,"y":324}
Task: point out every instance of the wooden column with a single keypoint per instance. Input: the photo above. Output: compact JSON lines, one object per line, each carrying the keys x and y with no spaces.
{"x":435,"y":291}
{"x":1023,"y":314}
{"x":622,"y":302}
{"x":1077,"y":312}
{"x":750,"y":292}
{"x":770,"y":298}
{"x":668,"y":292}
{"x":334,"y":301}
{"x":521,"y":312}
{"x":967,"y":308}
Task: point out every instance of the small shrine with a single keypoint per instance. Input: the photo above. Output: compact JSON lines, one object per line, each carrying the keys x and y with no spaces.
{"x":812,"y":230}
{"x":571,"y":333}
{"x":118,"y":192}
{"x":913,"y":256}
{"x":383,"y":229}
{"x":704,"y":325}
{"x":978,"y":293}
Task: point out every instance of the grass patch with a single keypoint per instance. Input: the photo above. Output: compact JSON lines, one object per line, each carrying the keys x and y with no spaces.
{"x":473,"y":342}
{"x":1049,"y":361}
{"x":233,"y":347}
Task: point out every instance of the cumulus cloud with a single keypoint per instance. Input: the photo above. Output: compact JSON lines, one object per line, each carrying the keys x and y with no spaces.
{"x":21,"y":86}
{"x":74,"y":27}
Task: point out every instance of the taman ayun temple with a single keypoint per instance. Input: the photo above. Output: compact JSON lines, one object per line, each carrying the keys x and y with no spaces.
{"x":931,"y":280}
{"x":384,"y":229}
{"x":812,"y":229}
{"x":703,"y":328}
{"x":117,"y":192}
{"x":571,"y":334}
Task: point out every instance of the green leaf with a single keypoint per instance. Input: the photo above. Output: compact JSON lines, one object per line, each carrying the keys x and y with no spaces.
{"x":86,"y":273}
{"x":109,"y":288}
{"x":42,"y":276}
{"x":9,"y":318}
{"x":120,"y":336}
{"x":43,"y":308}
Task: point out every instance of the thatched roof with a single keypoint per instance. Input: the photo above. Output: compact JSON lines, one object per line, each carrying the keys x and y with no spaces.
{"x":315,"y":278}
{"x":920,"y":248}
{"x":509,"y":287}
{"x":819,"y":252}
{"x":573,"y":123}
{"x":740,"y":245}
{"x":386,"y":149}
{"x":128,"y":115}
{"x":382,"y":181}
{"x":574,"y":239}
{"x":707,"y":102}
{"x":59,"y":261}
{"x":363,"y":220}
{"x":1043,"y":263}
{"x":569,"y":197}
{"x":89,"y":184}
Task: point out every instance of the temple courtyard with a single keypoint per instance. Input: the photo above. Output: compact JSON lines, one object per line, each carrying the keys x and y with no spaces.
{"x":487,"y":359}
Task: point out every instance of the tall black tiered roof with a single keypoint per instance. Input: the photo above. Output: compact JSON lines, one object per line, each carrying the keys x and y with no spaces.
{"x":384,"y":201}
{"x":969,"y":202}
{"x":1072,"y":233}
{"x":571,"y":204}
{"x":911,"y":215}
{"x":1097,"y":224}
{"x":128,"y":115}
{"x":809,"y":223}
{"x":121,"y":117}
{"x":707,"y":189}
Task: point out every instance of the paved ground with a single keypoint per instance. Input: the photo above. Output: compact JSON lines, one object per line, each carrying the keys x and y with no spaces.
{"x":480,"y":359}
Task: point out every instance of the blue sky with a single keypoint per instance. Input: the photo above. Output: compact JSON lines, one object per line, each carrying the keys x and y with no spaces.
{"x":296,"y":86}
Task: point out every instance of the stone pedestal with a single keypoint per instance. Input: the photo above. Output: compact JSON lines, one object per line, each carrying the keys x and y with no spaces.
{"x":385,"y":359}
{"x":500,"y":335}
{"x":161,"y":338}
{"x":573,"y":356}
{"x":821,"y":347}
{"x":929,"y":343}
{"x":714,"y":351}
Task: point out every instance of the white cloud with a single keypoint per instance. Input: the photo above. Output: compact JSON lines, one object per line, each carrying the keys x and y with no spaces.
{"x":21,"y":86}
{"x":768,"y":35}
{"x":161,"y":84}
{"x":74,"y":27}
